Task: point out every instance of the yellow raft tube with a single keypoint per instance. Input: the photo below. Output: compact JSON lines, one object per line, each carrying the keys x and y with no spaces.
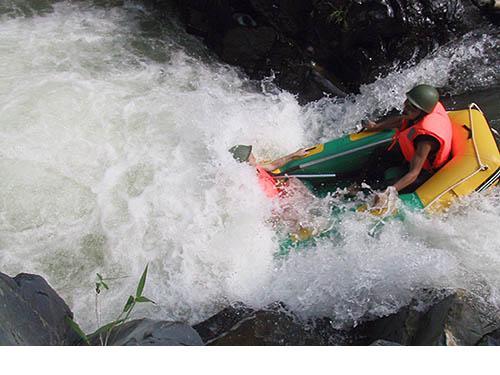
{"x":475,"y":163}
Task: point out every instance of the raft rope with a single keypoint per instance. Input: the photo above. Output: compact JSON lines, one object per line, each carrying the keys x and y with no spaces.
{"x":330,"y":157}
{"x":482,"y":167}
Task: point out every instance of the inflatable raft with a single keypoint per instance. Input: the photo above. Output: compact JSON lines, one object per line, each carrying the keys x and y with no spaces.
{"x":473,"y":166}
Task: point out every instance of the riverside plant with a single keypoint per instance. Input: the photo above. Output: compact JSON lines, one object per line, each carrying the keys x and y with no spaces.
{"x":104,"y":332}
{"x":338,"y":15}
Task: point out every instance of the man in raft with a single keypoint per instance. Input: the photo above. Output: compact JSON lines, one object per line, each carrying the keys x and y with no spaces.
{"x":293,"y":197}
{"x":423,"y":137}
{"x":271,"y":187}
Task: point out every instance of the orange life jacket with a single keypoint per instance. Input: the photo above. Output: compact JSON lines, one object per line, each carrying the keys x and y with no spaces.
{"x":268,"y":183}
{"x":436,"y":124}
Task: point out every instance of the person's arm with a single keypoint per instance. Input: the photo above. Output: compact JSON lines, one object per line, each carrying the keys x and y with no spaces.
{"x":423,"y":148}
{"x":278,"y":163}
{"x":389,"y":123}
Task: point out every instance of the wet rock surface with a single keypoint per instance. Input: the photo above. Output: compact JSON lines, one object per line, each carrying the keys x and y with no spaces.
{"x":223,"y":321}
{"x":491,"y":339}
{"x":241,"y":325}
{"x":350,"y":42}
{"x":32,"y":313}
{"x":469,"y":319}
{"x":434,"y":318}
{"x":147,"y":332}
{"x":384,"y":343}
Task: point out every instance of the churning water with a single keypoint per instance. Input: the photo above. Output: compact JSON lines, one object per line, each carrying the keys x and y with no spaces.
{"x":113,"y":154}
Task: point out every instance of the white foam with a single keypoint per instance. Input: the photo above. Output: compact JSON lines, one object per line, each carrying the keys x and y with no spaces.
{"x":110,"y":161}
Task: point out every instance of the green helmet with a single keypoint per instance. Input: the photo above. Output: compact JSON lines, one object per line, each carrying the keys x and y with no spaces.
{"x":241,"y":152}
{"x":423,"y":97}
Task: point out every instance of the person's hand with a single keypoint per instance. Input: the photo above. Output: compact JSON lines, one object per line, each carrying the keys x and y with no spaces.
{"x":381,"y":200}
{"x":369,"y":125}
{"x":300,"y":153}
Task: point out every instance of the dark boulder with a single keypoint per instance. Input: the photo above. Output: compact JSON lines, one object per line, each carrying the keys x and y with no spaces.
{"x":457,"y":319}
{"x":384,"y":343}
{"x":274,"y":325}
{"x":469,"y":319}
{"x":357,"y":40}
{"x":264,"y":38}
{"x":222,"y":322}
{"x":290,"y":17}
{"x":147,"y":332}
{"x":351,"y":41}
{"x":247,"y":47}
{"x":401,"y":327}
{"x":491,"y":339}
{"x":31,"y":313}
{"x":432,"y":318}
{"x":491,"y":8}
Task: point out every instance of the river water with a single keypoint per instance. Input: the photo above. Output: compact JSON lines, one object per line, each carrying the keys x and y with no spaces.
{"x":114,"y":132}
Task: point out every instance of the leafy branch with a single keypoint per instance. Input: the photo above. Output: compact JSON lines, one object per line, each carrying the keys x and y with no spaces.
{"x":105,"y":331}
{"x":338,"y":15}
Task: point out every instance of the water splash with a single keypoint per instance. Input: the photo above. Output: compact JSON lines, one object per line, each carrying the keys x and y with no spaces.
{"x":113,"y":154}
{"x":458,"y":67}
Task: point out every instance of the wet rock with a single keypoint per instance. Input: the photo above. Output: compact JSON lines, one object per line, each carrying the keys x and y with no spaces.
{"x":264,"y":38}
{"x":491,"y":8}
{"x":223,"y":321}
{"x":31,"y":313}
{"x":433,"y":317}
{"x":401,"y":327}
{"x":491,"y":339}
{"x":147,"y":332}
{"x":469,"y":319}
{"x":456,"y":319}
{"x":384,"y":343}
{"x":487,"y":5}
{"x":272,"y":326}
{"x":330,"y":335}
{"x":359,"y":40}
{"x":246,"y":46}
{"x":353,"y":41}
{"x":290,"y":17}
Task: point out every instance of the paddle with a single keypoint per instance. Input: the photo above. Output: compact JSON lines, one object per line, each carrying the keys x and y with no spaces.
{"x":307,"y":176}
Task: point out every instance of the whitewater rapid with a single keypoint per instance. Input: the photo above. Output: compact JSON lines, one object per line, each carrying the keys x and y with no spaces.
{"x":113,"y":155}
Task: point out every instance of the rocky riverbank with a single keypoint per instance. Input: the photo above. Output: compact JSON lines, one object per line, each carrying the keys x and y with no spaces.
{"x":313,"y":47}
{"x":32,"y":313}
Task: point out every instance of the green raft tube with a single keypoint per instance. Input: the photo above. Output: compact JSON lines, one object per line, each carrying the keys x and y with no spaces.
{"x":341,"y":161}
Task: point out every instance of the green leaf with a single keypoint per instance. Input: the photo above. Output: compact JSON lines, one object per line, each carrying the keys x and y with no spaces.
{"x":107,"y":327}
{"x":143,"y":299}
{"x":129,"y":304}
{"x":142,"y":282}
{"x":99,"y":276}
{"x":75,"y":327}
{"x":104,"y":285}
